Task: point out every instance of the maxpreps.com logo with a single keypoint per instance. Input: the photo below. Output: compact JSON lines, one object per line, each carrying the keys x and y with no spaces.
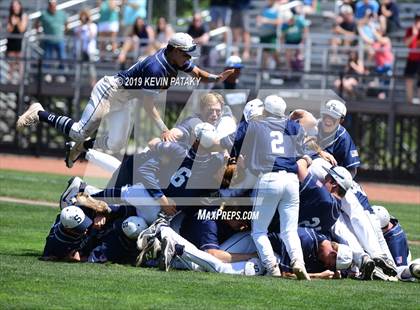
{"x":226,"y":215}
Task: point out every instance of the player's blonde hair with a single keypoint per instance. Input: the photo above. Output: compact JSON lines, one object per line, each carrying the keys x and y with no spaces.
{"x":210,"y":98}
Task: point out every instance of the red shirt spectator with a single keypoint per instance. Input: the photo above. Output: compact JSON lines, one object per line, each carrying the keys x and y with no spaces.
{"x":414,"y":43}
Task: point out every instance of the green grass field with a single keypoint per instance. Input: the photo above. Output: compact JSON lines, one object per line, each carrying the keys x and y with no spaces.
{"x":26,"y":282}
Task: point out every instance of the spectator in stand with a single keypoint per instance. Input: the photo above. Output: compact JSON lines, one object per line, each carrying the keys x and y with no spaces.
{"x":220,"y":13}
{"x":131,"y":9}
{"x":412,"y":68}
{"x":86,"y":35}
{"x":54,"y":24}
{"x":239,"y":23}
{"x":164,"y":32}
{"x":200,"y":33}
{"x":346,"y":28}
{"x":389,"y":16}
{"x":367,"y":29}
{"x":294,"y":32}
{"x":354,"y":67}
{"x":339,"y":4}
{"x":16,"y":26}
{"x":141,"y":35}
{"x":268,"y":22}
{"x":108,"y":24}
{"x":309,"y":7}
{"x":384,"y":59}
{"x":365,"y":7}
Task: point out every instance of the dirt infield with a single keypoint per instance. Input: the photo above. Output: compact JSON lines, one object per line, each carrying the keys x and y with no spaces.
{"x":375,"y":191}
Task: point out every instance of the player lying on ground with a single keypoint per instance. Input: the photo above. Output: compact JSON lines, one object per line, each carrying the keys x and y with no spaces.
{"x":111,"y":93}
{"x":397,"y":242}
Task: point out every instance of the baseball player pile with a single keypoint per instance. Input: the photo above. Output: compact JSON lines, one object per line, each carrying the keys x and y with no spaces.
{"x":267,"y":193}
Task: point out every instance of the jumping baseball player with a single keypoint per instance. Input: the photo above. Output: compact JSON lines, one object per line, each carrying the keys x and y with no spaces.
{"x":270,"y":148}
{"x":111,"y":93}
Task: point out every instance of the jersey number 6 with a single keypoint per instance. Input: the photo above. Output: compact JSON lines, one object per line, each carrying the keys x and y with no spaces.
{"x":179,"y":177}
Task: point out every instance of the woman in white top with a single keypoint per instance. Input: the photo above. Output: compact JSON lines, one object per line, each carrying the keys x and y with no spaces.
{"x":86,"y":35}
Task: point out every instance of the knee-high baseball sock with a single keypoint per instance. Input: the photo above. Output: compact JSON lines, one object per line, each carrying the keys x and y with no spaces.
{"x":61,"y":123}
{"x":109,"y":195}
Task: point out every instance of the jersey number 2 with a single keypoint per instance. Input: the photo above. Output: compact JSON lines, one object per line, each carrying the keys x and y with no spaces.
{"x":277,"y":142}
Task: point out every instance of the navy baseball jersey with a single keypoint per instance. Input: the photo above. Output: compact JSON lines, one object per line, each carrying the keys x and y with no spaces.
{"x":152,"y":74}
{"x":397,"y":243}
{"x":341,"y":146}
{"x":362,"y":197}
{"x":204,"y":234}
{"x":116,"y":247}
{"x":187,"y":126}
{"x":176,"y":171}
{"x":270,"y":144}
{"x":318,"y":209}
{"x":310,"y":241}
{"x":60,"y":243}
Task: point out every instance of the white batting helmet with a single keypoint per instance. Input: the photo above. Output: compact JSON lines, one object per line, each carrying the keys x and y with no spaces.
{"x":133,"y":226}
{"x":184,"y":42}
{"x":275,"y":105}
{"x":334,"y":108}
{"x":382,"y":214}
{"x":206,"y":133}
{"x":74,"y":218}
{"x":253,"y":108}
{"x":342,"y":176}
{"x":317,"y":168}
{"x":344,"y":257}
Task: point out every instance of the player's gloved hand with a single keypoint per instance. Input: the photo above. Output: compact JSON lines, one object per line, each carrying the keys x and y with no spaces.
{"x":328,"y":157}
{"x":224,"y":75}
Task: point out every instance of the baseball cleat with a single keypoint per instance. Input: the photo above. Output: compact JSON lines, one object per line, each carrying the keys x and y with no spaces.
{"x":30,"y":117}
{"x":167,"y":253}
{"x":273,"y":271}
{"x":149,"y":252}
{"x":74,"y":150}
{"x":386,"y":265}
{"x":150,"y":232}
{"x":367,"y":268}
{"x":70,"y":192}
{"x":378,"y":274}
{"x":84,"y":199}
{"x":415,"y":270}
{"x":300,"y":271}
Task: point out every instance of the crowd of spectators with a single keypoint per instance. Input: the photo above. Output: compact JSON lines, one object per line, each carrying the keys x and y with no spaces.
{"x":282,"y":29}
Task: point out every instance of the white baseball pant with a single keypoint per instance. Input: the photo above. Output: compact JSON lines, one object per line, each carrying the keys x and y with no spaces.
{"x":137,"y":196}
{"x":106,"y":99}
{"x":197,"y":260}
{"x":345,"y":235}
{"x":277,"y":191}
{"x":362,"y":226}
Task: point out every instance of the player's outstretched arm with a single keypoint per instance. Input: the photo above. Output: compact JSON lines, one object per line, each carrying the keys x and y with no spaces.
{"x":151,"y":110}
{"x":207,"y":77}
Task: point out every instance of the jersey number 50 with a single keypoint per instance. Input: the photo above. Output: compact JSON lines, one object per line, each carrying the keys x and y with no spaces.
{"x":277,"y":146}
